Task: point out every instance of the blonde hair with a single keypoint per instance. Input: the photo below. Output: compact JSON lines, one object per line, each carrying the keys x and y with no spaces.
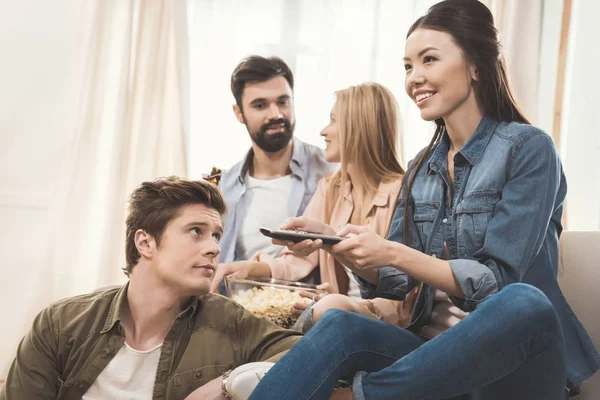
{"x":368,"y":121}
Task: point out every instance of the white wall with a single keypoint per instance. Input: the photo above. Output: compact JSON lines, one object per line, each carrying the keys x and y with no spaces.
{"x":38,"y":42}
{"x":580,"y":132}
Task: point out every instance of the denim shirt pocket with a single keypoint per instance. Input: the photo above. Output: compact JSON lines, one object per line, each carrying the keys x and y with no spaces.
{"x":473,"y":213}
{"x":424,"y":217}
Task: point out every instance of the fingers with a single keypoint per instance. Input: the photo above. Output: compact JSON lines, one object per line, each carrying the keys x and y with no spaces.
{"x":307,"y":244}
{"x":345,"y":245}
{"x":306,"y":224}
{"x":325,"y":286}
{"x":306,"y":247}
{"x":352,"y":229}
{"x":279,"y":242}
{"x":298,"y":308}
{"x":295,"y":223}
{"x":214,"y":285}
{"x":310,"y":295}
{"x":222,"y":271}
{"x":303,"y":244}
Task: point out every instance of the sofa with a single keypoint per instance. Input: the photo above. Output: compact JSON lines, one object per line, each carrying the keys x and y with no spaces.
{"x":579,"y":279}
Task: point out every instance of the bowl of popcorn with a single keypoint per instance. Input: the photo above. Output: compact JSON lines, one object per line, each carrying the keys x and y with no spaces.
{"x":270,"y":298}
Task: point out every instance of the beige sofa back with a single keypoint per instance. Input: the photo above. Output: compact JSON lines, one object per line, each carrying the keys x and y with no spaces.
{"x":579,"y":279}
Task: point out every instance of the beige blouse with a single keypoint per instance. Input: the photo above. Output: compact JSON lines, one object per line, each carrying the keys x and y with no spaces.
{"x":292,"y":267}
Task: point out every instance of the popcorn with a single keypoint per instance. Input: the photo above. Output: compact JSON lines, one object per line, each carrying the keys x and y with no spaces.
{"x":271,"y":303}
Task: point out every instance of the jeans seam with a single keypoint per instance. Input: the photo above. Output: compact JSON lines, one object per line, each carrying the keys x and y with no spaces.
{"x":545,"y":336}
{"x":344,"y":359}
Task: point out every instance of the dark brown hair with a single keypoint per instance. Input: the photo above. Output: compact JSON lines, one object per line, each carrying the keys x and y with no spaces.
{"x":154,"y":204}
{"x":258,"y":69}
{"x":471,"y":25}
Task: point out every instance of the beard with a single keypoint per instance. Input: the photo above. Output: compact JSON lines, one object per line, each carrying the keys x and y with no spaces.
{"x":274,"y":142}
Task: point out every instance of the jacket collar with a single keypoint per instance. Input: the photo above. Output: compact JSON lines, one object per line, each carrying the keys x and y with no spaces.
{"x":116,"y":305}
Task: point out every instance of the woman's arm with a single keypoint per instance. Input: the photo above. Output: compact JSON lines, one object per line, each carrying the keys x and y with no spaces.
{"x":513,"y":238}
{"x":368,"y":251}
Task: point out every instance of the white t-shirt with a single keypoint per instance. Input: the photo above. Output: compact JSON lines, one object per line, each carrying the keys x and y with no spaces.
{"x":353,"y":289}
{"x":129,"y":375}
{"x":267,"y":204}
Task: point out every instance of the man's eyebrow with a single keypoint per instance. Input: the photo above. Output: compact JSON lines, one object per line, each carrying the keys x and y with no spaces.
{"x":426,"y":49}
{"x":219,"y":227}
{"x":258,"y":100}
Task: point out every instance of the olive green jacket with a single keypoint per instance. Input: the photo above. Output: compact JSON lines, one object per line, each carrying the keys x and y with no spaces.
{"x":73,"y":340}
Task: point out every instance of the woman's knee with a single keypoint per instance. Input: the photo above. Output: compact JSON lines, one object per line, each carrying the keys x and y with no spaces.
{"x":528,"y":304}
{"x":331,"y":302}
{"x":337,"y":319}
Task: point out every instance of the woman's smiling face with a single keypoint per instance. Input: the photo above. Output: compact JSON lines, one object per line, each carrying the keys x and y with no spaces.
{"x":331,"y":135}
{"x":438,"y":77}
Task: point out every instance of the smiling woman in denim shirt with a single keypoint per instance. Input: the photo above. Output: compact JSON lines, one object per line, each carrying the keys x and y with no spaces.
{"x":477,"y":228}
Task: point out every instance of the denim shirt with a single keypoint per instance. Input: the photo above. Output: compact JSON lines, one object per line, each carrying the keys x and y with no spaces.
{"x":501,"y":226}
{"x":308,"y":166}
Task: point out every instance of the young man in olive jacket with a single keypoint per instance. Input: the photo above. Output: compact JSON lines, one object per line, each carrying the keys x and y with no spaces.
{"x":161,"y":335}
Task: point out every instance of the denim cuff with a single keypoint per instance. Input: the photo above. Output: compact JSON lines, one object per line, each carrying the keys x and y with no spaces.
{"x":366,"y":288}
{"x":305,"y":321}
{"x":476,"y":280}
{"x":391,"y":284}
{"x":357,"y":387}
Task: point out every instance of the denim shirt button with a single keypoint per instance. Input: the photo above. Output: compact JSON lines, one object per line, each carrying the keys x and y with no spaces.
{"x":434,"y":256}
{"x":445,"y":220}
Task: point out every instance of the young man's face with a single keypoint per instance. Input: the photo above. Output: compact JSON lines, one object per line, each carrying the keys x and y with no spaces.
{"x":189,"y":249}
{"x":268,"y":113}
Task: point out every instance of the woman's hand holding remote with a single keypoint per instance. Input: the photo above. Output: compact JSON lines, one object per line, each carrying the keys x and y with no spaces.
{"x":304,"y":224}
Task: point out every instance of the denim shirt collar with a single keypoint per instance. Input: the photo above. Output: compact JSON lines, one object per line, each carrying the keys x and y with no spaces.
{"x":472,"y":151}
{"x":296,"y":162}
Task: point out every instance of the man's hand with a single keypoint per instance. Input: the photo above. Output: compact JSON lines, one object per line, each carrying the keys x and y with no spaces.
{"x":239,"y":269}
{"x":210,"y":391}
{"x":298,"y":308}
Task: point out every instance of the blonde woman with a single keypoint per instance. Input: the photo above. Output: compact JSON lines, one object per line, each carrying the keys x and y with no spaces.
{"x":362,"y":136}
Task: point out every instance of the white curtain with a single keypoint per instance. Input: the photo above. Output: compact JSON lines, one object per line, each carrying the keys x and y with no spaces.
{"x":520,"y":26}
{"x":329,"y":45}
{"x":130,"y":127}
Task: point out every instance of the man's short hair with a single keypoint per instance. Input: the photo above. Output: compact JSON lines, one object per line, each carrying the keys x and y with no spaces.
{"x":154,"y":204}
{"x":258,"y":69}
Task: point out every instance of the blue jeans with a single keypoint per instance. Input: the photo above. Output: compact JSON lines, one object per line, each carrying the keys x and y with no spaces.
{"x":510,"y":347}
